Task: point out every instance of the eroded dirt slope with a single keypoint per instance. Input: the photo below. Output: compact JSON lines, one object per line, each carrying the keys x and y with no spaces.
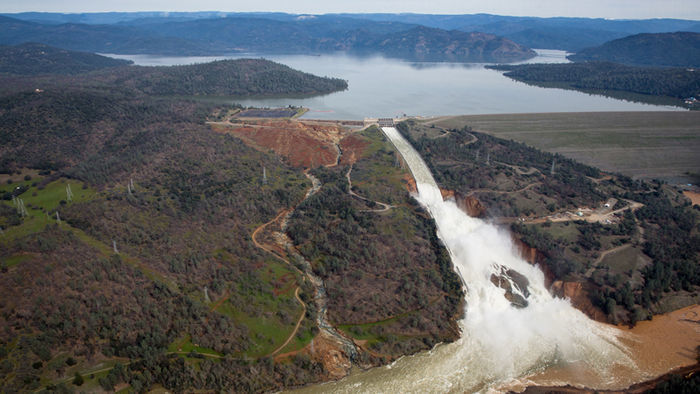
{"x":302,"y":144}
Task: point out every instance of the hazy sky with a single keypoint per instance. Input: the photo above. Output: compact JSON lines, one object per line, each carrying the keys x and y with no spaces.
{"x":619,"y":9}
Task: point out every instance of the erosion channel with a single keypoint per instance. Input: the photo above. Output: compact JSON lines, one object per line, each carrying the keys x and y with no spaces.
{"x":512,"y":327}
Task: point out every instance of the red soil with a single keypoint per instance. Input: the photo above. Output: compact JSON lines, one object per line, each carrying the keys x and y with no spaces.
{"x":693,"y":196}
{"x":307,"y":145}
{"x":353,"y":147}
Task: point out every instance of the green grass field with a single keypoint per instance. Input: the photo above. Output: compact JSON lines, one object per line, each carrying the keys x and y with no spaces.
{"x":624,"y":260}
{"x":639,"y":144}
{"x":262,"y":316}
{"x":185,"y":345}
{"x":41,"y":203}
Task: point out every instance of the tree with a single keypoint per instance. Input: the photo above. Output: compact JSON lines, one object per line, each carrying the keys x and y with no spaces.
{"x":78,"y":379}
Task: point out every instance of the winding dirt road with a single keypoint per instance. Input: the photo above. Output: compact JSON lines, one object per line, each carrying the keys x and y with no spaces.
{"x":296,"y":328}
{"x":385,"y":206}
{"x":296,"y":292}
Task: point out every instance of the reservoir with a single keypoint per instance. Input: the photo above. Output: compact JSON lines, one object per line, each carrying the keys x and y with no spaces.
{"x":382,"y":87}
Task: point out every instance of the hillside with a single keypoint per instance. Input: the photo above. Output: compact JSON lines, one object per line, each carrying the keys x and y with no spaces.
{"x":681,"y":49}
{"x":33,"y":58}
{"x":645,"y":84}
{"x":156,"y":226}
{"x":150,"y":247}
{"x":94,"y":38}
{"x":570,"y":34}
{"x":423,"y":43}
{"x":322,"y":34}
{"x":239,"y":77}
{"x":621,"y":262}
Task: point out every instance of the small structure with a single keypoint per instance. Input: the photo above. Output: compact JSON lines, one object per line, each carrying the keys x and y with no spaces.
{"x":385,"y":122}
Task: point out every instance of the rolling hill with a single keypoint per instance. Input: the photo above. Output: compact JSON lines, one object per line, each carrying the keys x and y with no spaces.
{"x":646,"y":84}
{"x":237,"y":77}
{"x":33,"y":58}
{"x":424,"y":43}
{"x":570,"y":34}
{"x":680,"y":49}
{"x":237,"y":34}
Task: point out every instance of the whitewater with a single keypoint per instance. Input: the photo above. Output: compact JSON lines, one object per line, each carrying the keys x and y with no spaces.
{"x":500,"y":342}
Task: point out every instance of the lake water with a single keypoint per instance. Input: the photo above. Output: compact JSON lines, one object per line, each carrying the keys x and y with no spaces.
{"x":382,"y":87}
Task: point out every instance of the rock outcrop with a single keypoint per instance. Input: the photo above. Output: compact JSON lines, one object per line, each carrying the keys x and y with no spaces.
{"x":577,"y":293}
{"x":515,"y":284}
{"x":469,"y":204}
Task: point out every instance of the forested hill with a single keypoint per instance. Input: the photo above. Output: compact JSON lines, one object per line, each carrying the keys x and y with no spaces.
{"x":570,"y":34}
{"x":34,"y":58}
{"x":436,"y":44}
{"x":680,"y":49}
{"x":183,"y":226}
{"x":609,"y":78}
{"x":533,"y":190}
{"x":261,"y":34}
{"x":239,"y":77}
{"x":143,"y":244}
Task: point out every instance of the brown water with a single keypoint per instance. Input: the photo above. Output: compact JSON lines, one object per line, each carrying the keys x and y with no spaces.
{"x":658,"y":346}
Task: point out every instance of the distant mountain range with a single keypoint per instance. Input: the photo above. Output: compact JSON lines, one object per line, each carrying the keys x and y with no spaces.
{"x":681,"y":49}
{"x":410,"y":36}
{"x":276,"y":33}
{"x":571,"y":34}
{"x":33,"y":59}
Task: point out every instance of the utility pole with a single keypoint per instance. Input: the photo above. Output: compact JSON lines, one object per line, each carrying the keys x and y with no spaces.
{"x":206,"y":295}
{"x":24,"y":210}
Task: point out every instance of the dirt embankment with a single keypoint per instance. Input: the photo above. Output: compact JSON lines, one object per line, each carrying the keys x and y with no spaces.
{"x":302,"y":144}
{"x":469,"y":204}
{"x":693,"y":196}
{"x":577,"y":292}
{"x":353,"y":147}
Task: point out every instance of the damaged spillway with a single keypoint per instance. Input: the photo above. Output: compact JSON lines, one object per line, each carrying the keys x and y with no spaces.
{"x":512,"y":326}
